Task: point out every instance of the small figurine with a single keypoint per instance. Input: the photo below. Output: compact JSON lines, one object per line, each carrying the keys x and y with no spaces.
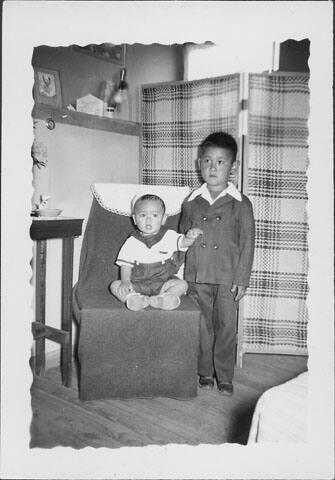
{"x":43,"y":202}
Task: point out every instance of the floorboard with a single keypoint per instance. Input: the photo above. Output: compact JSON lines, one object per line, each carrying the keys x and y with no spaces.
{"x":59,"y":418}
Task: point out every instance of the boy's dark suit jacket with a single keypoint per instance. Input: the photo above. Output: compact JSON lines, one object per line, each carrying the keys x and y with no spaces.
{"x":224,"y":253}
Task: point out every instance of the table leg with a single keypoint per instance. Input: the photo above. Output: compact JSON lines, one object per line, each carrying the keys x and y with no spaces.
{"x":66,"y":318}
{"x":41,"y":256}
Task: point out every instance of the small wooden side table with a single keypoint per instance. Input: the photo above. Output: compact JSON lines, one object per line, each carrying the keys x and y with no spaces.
{"x":41,"y":230}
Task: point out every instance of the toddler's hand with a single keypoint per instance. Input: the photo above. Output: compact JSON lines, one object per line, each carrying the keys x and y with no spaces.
{"x":126,"y":287}
{"x":193,"y":233}
{"x":190,"y":236}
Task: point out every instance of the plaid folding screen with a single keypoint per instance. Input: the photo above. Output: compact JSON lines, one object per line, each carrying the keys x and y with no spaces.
{"x":176,"y":118}
{"x":275,"y":314}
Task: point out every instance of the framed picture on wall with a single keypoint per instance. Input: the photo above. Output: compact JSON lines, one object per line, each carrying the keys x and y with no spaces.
{"x":106,"y":51}
{"x":47,"y":88}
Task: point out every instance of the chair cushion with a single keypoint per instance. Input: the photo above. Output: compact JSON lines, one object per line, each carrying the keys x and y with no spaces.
{"x":125,"y":354}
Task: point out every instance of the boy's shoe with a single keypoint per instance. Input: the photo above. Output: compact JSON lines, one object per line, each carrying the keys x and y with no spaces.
{"x":226,"y":388}
{"x":206,"y":382}
{"x":136,"y":302}
{"x":166,"y":301}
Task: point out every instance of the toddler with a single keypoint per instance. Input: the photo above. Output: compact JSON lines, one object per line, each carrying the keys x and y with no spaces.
{"x":150,"y":259}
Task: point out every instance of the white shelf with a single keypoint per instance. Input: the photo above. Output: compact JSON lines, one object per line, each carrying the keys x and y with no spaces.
{"x":79,"y":119}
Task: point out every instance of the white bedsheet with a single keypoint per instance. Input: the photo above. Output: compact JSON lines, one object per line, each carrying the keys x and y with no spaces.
{"x":281,"y":413}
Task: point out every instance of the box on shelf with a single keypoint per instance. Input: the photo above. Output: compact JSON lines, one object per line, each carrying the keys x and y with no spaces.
{"x":90,"y":104}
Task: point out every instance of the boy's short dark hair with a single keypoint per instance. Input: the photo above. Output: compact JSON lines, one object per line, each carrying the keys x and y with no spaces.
{"x":149,"y":196}
{"x":221,"y":140}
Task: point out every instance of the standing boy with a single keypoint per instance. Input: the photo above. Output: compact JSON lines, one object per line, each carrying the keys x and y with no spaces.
{"x":218,"y":265}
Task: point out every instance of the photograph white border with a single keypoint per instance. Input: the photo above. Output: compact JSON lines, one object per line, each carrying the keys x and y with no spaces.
{"x":62,"y":23}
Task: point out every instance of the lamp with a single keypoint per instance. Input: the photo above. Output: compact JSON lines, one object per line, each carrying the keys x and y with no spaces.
{"x":119,"y":94}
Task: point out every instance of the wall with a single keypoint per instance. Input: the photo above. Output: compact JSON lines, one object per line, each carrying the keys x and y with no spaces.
{"x":294,"y":56}
{"x":81,"y":74}
{"x":76,"y":156}
{"x":151,"y":64}
{"x":209,"y":60}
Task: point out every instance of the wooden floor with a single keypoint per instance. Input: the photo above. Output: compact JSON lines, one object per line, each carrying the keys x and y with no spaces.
{"x":61,"y":419}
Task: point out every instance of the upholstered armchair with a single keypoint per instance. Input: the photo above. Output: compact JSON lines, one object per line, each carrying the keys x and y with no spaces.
{"x":121,"y":353}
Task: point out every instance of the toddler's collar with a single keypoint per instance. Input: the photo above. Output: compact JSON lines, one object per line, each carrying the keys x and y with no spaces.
{"x":150,"y":240}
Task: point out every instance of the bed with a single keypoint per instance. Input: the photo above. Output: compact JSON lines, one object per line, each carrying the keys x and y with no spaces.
{"x":281,"y":413}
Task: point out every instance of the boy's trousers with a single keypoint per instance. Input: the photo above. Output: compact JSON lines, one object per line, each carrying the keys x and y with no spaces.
{"x":217,"y":329}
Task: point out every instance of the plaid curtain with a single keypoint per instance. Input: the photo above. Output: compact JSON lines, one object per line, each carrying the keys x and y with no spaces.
{"x":176,"y":118}
{"x":275,"y":314}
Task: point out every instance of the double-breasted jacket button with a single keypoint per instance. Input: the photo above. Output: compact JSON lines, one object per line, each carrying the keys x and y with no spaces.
{"x":218,"y":218}
{"x":215,"y":247}
{"x":203,"y":245}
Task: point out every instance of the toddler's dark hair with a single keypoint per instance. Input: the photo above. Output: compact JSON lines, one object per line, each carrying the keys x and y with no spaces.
{"x":221,"y":140}
{"x":149,"y":196}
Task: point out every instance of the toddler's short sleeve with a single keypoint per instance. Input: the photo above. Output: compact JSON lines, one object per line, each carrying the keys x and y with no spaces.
{"x":174,"y":240}
{"x":126,"y":255}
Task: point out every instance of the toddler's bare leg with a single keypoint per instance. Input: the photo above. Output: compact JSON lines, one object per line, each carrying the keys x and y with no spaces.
{"x":134,"y":301}
{"x":169,"y":295}
{"x":175,"y":286}
{"x":115,"y":290}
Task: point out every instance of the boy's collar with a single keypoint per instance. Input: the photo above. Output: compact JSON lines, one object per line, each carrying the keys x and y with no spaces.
{"x":204,"y":192}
